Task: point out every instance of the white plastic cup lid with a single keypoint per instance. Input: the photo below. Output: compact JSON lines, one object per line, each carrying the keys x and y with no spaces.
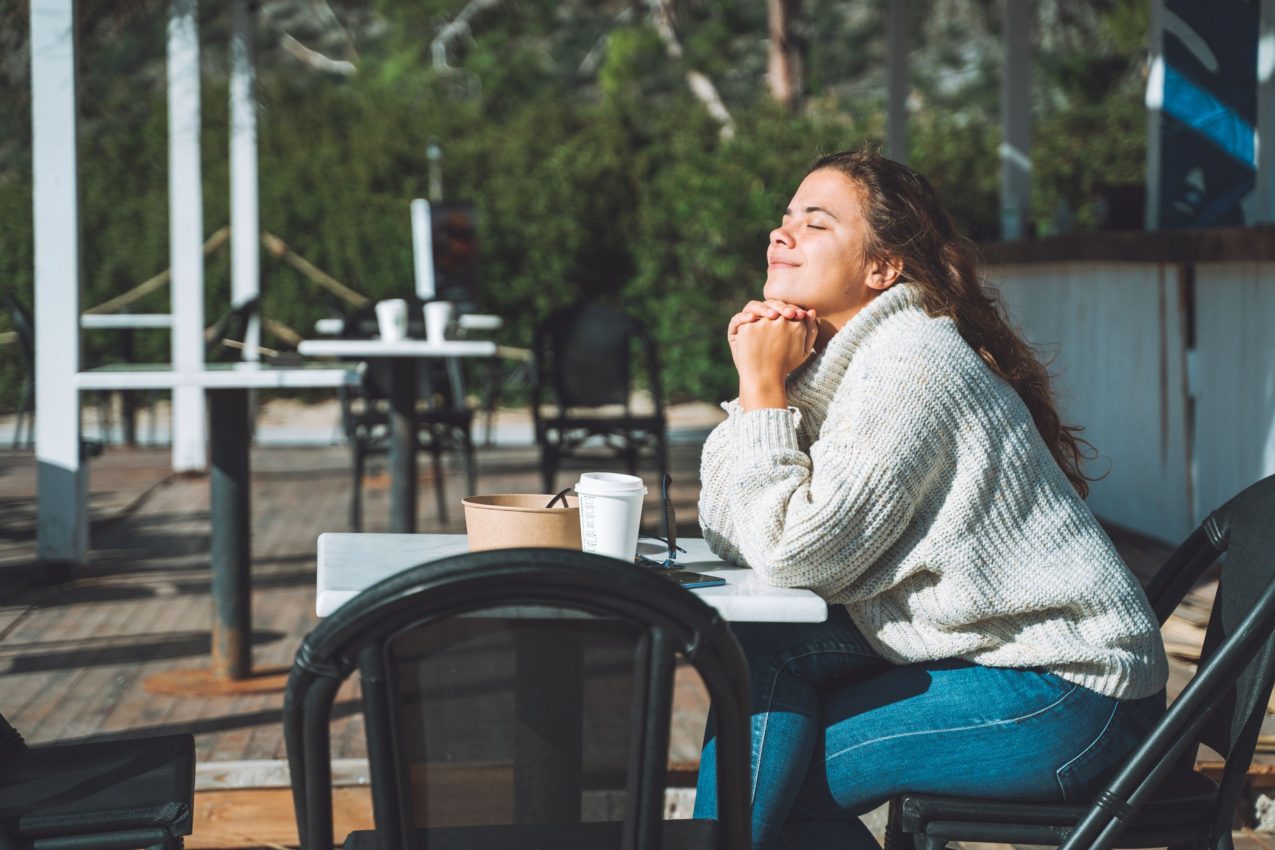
{"x":609,"y":484}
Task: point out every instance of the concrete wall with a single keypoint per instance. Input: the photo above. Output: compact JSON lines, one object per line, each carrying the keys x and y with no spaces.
{"x":1177,"y":442}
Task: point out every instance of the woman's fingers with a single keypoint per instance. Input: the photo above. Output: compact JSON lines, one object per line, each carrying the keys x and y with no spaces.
{"x":740,"y":319}
{"x":788,"y":311}
{"x":773,"y":308}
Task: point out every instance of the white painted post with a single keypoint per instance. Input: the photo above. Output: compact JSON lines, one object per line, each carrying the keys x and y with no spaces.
{"x":1266,"y":115}
{"x":245,"y":231}
{"x":897,"y":88}
{"x":61,"y":477}
{"x":1015,"y":150}
{"x":1155,"y":102}
{"x":186,"y":232}
{"x":423,"y":249}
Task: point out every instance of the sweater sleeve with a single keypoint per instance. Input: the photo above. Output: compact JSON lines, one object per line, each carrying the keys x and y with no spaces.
{"x":717,"y":474}
{"x":821,"y":520}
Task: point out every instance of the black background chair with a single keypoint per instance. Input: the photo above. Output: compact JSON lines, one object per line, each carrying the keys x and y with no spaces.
{"x":583,"y":359}
{"x":443,"y":422}
{"x":108,"y":795}
{"x":1157,"y":799}
{"x":518,"y":698}
{"x":24,"y":326}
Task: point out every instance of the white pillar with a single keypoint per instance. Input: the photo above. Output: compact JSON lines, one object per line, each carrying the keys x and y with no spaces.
{"x":897,"y":87}
{"x":423,"y":248}
{"x":1155,"y":103}
{"x":61,"y":478}
{"x":245,"y":232}
{"x":1015,"y":150}
{"x":186,"y":232}
{"x":1266,"y":115}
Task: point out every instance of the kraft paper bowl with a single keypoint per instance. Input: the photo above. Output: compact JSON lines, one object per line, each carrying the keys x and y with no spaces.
{"x":510,"y":520}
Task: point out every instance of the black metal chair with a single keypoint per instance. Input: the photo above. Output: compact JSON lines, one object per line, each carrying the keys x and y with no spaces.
{"x":443,"y":422}
{"x":24,"y":326}
{"x":1157,"y":799}
{"x":230,"y":327}
{"x":107,"y":795}
{"x":518,"y":698}
{"x":583,"y":359}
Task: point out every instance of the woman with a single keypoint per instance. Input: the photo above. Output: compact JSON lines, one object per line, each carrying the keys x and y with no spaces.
{"x":895,"y":447}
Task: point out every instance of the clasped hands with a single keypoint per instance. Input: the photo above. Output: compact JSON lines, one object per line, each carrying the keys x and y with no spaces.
{"x":768,"y":339}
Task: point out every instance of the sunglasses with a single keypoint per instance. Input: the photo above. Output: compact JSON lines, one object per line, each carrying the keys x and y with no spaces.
{"x":670,"y":534}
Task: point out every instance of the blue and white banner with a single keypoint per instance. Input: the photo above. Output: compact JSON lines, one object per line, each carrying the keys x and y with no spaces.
{"x":1208,"y":102}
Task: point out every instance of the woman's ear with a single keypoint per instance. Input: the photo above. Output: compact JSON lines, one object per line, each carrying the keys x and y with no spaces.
{"x":884,"y":272}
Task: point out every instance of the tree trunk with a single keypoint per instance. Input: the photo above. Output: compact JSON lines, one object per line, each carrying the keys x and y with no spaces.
{"x":786,"y":48}
{"x":699,"y":84}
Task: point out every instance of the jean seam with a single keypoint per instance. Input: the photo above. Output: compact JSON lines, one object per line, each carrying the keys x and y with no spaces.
{"x":1027,"y":716}
{"x":1058,"y":773}
{"x":770,"y":701}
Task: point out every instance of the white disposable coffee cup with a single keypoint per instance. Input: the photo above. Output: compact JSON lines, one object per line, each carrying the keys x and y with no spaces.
{"x":391,"y":319}
{"x":437,"y":315}
{"x":610,"y":512}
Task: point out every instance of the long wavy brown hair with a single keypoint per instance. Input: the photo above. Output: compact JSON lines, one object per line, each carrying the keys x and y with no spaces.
{"x":907,"y":225}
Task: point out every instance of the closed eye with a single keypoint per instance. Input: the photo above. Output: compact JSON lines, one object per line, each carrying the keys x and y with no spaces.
{"x":816,"y":227}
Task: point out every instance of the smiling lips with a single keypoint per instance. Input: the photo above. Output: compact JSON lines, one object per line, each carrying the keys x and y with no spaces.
{"x":777,"y":263}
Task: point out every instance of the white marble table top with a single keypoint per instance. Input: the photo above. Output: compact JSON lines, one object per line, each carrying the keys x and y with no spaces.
{"x":125,"y":321}
{"x":213,"y":376}
{"x":350,"y":563}
{"x":402,"y":348}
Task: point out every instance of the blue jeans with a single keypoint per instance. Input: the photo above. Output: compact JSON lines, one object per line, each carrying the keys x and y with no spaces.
{"x":837,"y":730}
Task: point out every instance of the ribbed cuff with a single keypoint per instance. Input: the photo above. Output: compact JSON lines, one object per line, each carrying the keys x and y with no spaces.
{"x":767,"y":429}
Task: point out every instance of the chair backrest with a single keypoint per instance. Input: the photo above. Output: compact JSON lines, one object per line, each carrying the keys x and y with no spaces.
{"x":231,"y":325}
{"x":513,"y":688}
{"x":583,"y":356}
{"x":1225,"y":702}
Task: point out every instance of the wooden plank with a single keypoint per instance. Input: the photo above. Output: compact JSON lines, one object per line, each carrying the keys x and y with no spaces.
{"x":264,"y":817}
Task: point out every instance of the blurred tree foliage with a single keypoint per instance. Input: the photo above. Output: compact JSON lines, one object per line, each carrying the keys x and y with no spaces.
{"x":594,"y":171}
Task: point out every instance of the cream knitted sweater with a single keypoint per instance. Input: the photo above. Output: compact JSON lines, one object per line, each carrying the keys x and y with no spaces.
{"x":907,"y":482}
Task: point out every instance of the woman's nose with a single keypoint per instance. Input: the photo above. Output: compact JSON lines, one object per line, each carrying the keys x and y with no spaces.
{"x":780,"y":236}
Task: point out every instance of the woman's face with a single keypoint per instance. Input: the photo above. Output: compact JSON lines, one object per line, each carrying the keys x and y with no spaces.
{"x":816,"y":256}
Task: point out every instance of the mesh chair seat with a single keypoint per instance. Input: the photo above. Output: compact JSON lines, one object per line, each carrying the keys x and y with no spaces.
{"x":131,"y":793}
{"x":1178,"y":814}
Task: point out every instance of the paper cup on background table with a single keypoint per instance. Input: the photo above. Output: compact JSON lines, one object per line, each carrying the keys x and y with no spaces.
{"x":511,"y":520}
{"x":391,"y":319}
{"x":437,"y":315}
{"x":610,"y":512}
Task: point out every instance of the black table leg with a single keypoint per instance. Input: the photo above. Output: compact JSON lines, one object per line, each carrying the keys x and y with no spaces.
{"x":403,"y":445}
{"x":231,"y":534}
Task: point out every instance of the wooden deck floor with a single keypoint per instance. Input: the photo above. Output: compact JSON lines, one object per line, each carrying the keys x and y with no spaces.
{"x":73,"y":657}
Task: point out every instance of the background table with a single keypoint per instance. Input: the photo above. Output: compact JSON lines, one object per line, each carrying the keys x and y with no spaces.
{"x":465,"y":321}
{"x":230,"y":439}
{"x":350,"y":563}
{"x":403,"y":356}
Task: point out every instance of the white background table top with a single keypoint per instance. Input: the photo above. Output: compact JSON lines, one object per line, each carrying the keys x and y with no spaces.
{"x":228,"y":376}
{"x":466,"y":321}
{"x":403,"y":348}
{"x":125,"y":321}
{"x":350,"y":563}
